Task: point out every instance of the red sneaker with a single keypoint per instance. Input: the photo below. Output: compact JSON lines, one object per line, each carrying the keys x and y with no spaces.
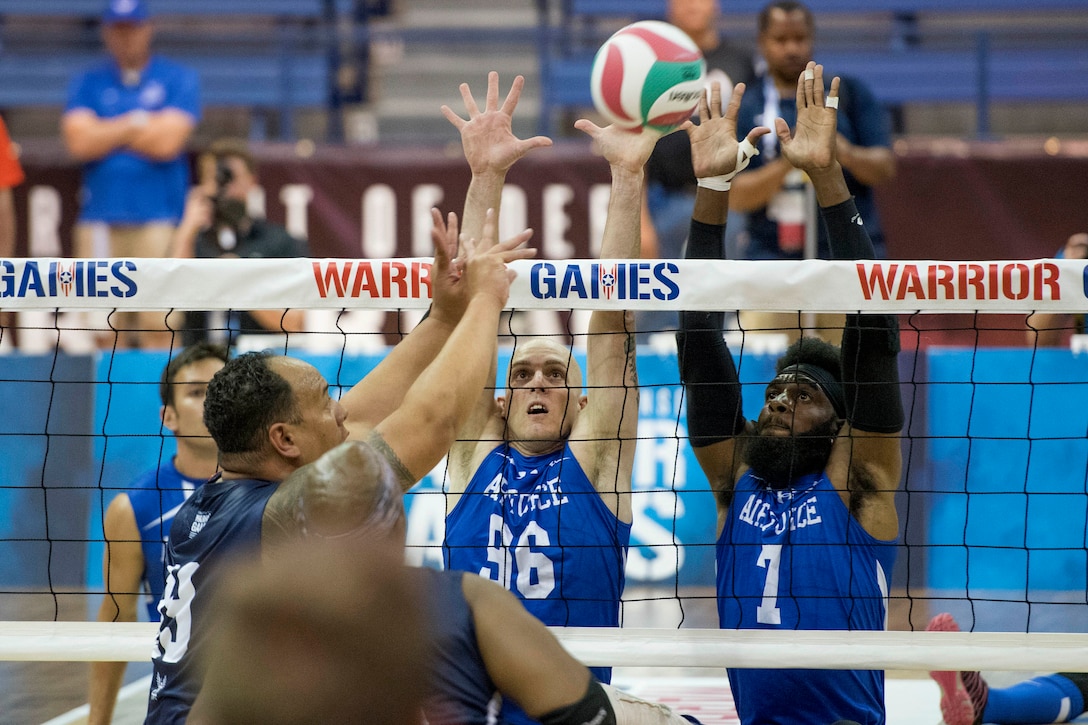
{"x":963,"y":694}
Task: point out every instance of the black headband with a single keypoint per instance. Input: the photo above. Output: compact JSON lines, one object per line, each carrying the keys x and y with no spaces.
{"x":824,"y":380}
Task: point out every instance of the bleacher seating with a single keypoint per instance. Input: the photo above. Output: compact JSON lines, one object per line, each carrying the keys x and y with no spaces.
{"x":272,"y":56}
{"x":991,"y":62}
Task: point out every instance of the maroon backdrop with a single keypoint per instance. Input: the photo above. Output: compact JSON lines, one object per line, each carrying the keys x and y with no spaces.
{"x":950,"y":200}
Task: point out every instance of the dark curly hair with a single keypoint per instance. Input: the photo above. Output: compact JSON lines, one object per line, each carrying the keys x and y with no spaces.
{"x":188,"y":356}
{"x":812,"y":351}
{"x":244,"y":400}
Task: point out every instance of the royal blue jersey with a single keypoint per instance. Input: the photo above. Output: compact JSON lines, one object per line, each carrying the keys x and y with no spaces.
{"x":156,"y":497}
{"x":126,"y":187}
{"x":220,"y":520}
{"x":536,"y":525}
{"x":797,"y":559}
{"x":462,"y":691}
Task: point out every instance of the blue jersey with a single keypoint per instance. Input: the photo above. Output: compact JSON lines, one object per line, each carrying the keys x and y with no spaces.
{"x":536,"y":525}
{"x":156,"y":497}
{"x":462,"y":691}
{"x":220,"y":520}
{"x":797,"y":559}
{"x":125,"y":187}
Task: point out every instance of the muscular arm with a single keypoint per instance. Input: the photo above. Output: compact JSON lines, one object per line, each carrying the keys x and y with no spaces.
{"x":603,"y":439}
{"x":421,"y":430}
{"x":382,"y":391}
{"x":547,"y":679}
{"x":490,"y":148}
{"x":866,"y":461}
{"x":424,"y":427}
{"x":711,"y":385}
{"x":123,"y":567}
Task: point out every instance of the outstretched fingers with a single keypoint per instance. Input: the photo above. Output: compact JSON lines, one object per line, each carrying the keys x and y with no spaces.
{"x":444,"y":236}
{"x":512,"y":96}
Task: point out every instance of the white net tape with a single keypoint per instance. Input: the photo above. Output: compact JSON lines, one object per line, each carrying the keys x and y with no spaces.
{"x":813,"y":285}
{"x":132,"y":642}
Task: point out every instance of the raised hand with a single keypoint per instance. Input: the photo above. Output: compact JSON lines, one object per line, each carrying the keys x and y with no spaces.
{"x":451,"y":292}
{"x":620,"y":147}
{"x":812,"y":145}
{"x":714,"y":143}
{"x":449,"y":297}
{"x":487,"y":136}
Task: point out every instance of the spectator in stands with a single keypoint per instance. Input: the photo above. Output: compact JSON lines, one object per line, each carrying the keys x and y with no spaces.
{"x":362,"y":628}
{"x":545,"y":439}
{"x":1047,"y":329}
{"x":217,"y":224}
{"x":670,"y":182}
{"x":128,"y":120}
{"x":270,"y":415}
{"x":138,"y":520}
{"x":774,"y":195}
{"x":11,"y":175}
{"x":807,"y":523}
{"x":967,"y":699}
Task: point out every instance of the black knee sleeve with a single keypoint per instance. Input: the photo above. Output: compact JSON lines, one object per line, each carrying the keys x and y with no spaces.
{"x":594,"y":707}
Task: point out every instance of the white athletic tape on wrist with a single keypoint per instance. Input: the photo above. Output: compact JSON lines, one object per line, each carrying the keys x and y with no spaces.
{"x":745,"y":152}
{"x":831,"y":101}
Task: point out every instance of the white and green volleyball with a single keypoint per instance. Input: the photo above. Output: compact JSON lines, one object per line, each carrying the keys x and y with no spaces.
{"x":649,"y":73}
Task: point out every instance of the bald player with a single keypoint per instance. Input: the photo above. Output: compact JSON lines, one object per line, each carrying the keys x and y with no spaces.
{"x":540,"y":477}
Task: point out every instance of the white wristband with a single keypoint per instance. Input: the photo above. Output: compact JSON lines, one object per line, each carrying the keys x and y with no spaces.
{"x":745,"y":152}
{"x":714,"y":183}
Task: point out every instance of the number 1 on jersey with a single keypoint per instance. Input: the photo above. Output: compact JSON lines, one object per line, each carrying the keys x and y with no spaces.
{"x":768,"y":612}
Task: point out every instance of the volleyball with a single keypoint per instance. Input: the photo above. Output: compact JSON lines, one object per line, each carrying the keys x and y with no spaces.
{"x":649,"y":73}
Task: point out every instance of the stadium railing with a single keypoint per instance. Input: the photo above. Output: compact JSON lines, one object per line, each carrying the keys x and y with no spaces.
{"x":272,"y":56}
{"x":901,"y":58}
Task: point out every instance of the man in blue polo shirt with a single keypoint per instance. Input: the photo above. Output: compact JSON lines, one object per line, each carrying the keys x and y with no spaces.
{"x":128,"y":120}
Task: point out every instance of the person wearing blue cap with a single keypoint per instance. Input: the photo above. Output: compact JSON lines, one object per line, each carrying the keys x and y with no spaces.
{"x":128,"y":120}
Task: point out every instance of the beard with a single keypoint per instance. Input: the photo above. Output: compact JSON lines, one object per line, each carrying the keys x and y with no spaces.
{"x":779,"y":460}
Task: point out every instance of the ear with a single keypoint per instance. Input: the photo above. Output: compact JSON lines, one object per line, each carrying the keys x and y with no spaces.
{"x":169,"y":418}
{"x":582,"y":401}
{"x":282,"y":438}
{"x":500,"y":406}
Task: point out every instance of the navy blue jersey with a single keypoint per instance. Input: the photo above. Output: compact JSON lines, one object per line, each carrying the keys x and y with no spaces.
{"x":221,"y":520}
{"x":462,"y":692}
{"x":797,"y":559}
{"x":537,"y":525}
{"x":156,"y":497}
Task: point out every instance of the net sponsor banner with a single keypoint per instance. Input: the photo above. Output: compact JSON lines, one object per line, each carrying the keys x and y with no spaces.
{"x":383,"y":284}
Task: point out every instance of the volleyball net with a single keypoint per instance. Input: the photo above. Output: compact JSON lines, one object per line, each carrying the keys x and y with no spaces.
{"x":992,"y":504}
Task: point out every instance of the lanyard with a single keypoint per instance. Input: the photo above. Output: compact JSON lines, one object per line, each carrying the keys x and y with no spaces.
{"x":771,"y":109}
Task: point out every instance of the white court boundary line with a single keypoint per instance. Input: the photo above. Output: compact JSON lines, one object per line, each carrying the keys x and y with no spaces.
{"x":643,"y":647}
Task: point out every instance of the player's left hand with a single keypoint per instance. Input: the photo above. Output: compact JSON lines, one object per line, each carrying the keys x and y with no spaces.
{"x":714,"y":143}
{"x":812,"y":145}
{"x":622,"y":148}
